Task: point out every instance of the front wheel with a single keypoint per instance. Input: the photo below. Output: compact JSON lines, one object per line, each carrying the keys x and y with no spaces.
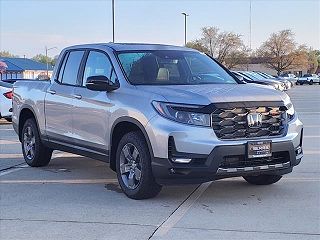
{"x":34,"y":152}
{"x":311,"y":82}
{"x":133,"y":165}
{"x":262,"y":179}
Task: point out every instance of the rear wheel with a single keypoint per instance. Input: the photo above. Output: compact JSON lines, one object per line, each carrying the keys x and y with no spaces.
{"x":133,"y":165}
{"x":262,"y":179}
{"x":34,"y":152}
{"x":311,"y":82}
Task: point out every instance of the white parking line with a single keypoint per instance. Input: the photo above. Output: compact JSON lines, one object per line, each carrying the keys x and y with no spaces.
{"x":9,"y":142}
{"x":308,"y":152}
{"x":18,"y":168}
{"x":60,"y":181}
{"x":181,"y":211}
{"x":10,"y":155}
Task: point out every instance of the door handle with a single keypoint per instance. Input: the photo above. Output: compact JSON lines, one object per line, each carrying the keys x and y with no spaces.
{"x":52,"y":92}
{"x":77,"y":96}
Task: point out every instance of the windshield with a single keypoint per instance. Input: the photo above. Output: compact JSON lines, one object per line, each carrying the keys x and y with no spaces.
{"x":161,"y":67}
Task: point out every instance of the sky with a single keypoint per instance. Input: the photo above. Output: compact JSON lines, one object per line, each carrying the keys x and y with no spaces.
{"x":26,"y":27}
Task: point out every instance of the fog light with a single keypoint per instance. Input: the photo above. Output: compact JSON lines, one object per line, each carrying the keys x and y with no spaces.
{"x":181,"y":160}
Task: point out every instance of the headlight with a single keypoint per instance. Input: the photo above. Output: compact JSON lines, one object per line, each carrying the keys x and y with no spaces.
{"x":290,"y":111}
{"x":187,"y":114}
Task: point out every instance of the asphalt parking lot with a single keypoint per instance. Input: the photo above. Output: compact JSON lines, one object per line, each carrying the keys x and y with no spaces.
{"x":79,"y":198}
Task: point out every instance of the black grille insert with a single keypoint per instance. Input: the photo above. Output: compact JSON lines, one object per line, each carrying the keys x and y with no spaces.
{"x":238,"y":161}
{"x":231,"y":122}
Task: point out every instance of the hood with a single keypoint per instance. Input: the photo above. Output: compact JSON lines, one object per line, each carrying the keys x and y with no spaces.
{"x":216,"y":93}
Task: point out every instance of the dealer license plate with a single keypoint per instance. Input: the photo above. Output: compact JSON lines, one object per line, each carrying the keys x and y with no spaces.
{"x":259,"y":149}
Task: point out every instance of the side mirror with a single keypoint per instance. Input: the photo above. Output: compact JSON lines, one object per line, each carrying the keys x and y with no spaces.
{"x":101,"y":83}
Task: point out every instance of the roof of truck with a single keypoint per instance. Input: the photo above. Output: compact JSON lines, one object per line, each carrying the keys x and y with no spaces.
{"x":133,"y":46}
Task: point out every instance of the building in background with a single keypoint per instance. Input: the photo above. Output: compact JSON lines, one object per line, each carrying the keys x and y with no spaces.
{"x":259,"y":64}
{"x":24,"y":68}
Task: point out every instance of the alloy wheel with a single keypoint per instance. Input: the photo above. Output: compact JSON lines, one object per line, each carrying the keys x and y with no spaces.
{"x":29,"y":142}
{"x":130,"y":166}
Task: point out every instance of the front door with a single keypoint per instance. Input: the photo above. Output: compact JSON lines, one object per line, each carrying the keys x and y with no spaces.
{"x":92,"y":108}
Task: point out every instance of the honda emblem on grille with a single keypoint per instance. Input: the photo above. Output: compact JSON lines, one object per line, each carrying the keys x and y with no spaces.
{"x":254,"y":120}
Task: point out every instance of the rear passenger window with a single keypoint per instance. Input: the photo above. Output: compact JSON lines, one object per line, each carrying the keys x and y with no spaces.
{"x":98,"y":64}
{"x":62,"y":67}
{"x":71,"y":68}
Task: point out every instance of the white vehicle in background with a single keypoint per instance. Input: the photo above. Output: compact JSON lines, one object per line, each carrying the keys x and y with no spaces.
{"x":308,"y":79}
{"x":289,"y":84}
{"x":288,"y":76}
{"x":6,"y":101}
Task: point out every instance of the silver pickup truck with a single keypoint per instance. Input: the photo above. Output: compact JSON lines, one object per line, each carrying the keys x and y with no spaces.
{"x":159,"y":115}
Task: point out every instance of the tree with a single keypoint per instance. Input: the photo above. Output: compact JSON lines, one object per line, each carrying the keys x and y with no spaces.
{"x":198,"y":46}
{"x":282,"y":52}
{"x":43,"y":59}
{"x":237,"y":57}
{"x":313,"y":60}
{"x":7,"y":54}
{"x":210,"y":38}
{"x":226,"y":47}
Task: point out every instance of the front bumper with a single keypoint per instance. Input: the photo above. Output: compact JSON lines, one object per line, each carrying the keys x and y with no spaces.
{"x":210,"y":168}
{"x":202,"y":144}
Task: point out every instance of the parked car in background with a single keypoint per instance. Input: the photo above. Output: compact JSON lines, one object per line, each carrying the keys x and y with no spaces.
{"x":289,"y":84}
{"x":246,"y":79}
{"x":288,"y":76}
{"x":308,"y":79}
{"x":260,"y":80}
{"x":282,"y":85}
{"x":5,"y":100}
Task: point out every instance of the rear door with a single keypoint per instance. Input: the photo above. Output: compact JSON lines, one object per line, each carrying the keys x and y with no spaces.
{"x":60,"y":97}
{"x":92,"y":108}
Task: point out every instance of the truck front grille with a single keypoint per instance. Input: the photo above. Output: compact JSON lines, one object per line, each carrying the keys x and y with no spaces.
{"x":231,"y":122}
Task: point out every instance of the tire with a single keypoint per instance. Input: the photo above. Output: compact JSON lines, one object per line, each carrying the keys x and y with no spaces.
{"x":311,"y":82}
{"x":133,"y":166}
{"x":34,"y":152}
{"x":263,"y":179}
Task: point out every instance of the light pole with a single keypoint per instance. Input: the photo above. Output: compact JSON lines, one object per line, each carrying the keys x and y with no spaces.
{"x":185,"y":27}
{"x":48,"y":49}
{"x":113,"y":21}
{"x":250,"y":23}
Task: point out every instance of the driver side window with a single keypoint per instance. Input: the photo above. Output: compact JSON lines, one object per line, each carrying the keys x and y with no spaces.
{"x":98,"y":64}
